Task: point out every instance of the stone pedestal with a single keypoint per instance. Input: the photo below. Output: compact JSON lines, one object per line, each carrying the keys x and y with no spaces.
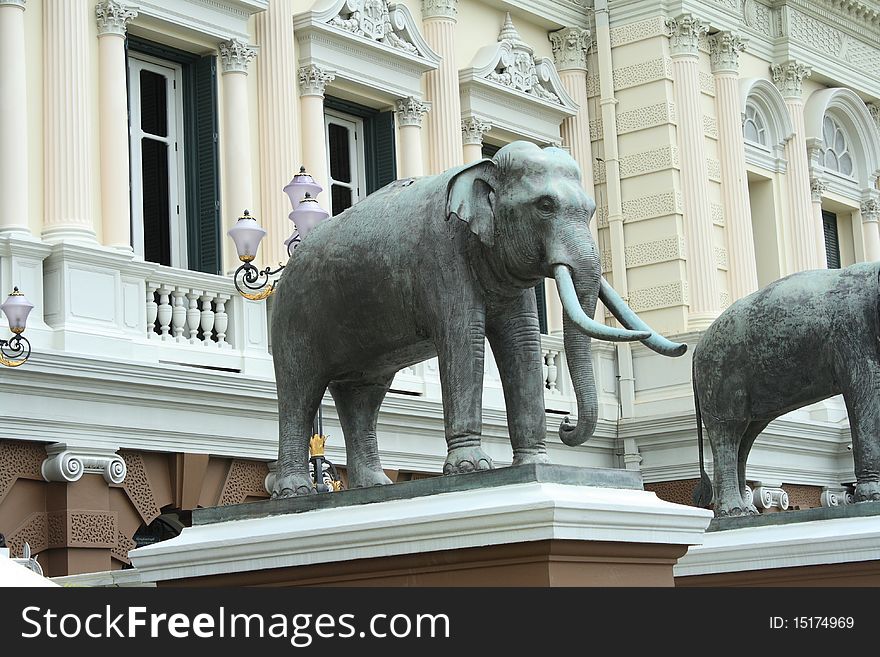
{"x":526,"y":526}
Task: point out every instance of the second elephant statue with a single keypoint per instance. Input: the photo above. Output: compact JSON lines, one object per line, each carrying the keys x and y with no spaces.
{"x":432,"y":267}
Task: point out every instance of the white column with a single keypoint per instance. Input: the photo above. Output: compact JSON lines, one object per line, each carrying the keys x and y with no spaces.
{"x":705,"y":299}
{"x":312,"y":82}
{"x":472,"y":131}
{"x":870,"y":211}
{"x":279,"y":118}
{"x":804,"y":232}
{"x":410,"y":112}
{"x":112,"y":18}
{"x":817,"y":189}
{"x":67,"y":125}
{"x":13,"y":120}
{"x":743,"y":275}
{"x":235,"y":140}
{"x":570,"y":56}
{"x":441,"y":86}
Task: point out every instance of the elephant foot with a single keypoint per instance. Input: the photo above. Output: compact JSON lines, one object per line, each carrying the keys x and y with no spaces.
{"x":523,"y":457}
{"x":466,"y":459}
{"x":868,"y":491}
{"x":292,"y":485}
{"x":366,"y":478}
{"x":734,"y":511}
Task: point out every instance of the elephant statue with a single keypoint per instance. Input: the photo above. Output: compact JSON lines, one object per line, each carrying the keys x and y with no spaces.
{"x":433,"y":266}
{"x":799,"y":340}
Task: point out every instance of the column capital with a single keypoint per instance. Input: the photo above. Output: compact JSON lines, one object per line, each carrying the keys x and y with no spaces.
{"x":570,"y":46}
{"x":13,"y":3}
{"x":410,"y":111}
{"x":440,"y":9}
{"x":112,"y":17}
{"x":789,"y":76}
{"x":473,"y":129}
{"x":874,"y":111}
{"x":313,"y":80}
{"x":67,"y":463}
{"x":724,"y":50}
{"x":817,"y":189}
{"x":870,"y":210}
{"x":236,"y":55}
{"x":684,"y":33}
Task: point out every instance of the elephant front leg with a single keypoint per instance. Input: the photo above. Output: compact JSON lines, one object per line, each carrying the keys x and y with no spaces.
{"x":515,"y":337}
{"x":460,"y":351}
{"x":864,"y":418}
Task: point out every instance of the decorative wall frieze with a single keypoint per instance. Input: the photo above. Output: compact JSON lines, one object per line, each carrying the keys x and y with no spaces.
{"x":439,"y":9}
{"x":313,"y":80}
{"x":372,"y":19}
{"x":649,"y":161}
{"x":570,"y":45}
{"x":666,"y":295}
{"x":717,"y":212}
{"x":113,"y":16}
{"x":724,"y":48}
{"x":645,"y":117}
{"x":817,"y":189}
{"x":870,"y":210}
{"x":645,"y":207}
{"x":596,"y":129}
{"x":707,"y":83}
{"x":769,"y":497}
{"x":713,"y":168}
{"x":473,"y":129}
{"x":638,"y":31}
{"x":236,"y":55}
{"x":684,"y":33}
{"x":650,"y":253}
{"x":789,"y":76}
{"x":19,"y":460}
{"x":874,"y":111}
{"x":68,"y":463}
{"x":244,"y":479}
{"x":138,"y":487}
{"x":33,"y":530}
{"x":639,"y":74}
{"x":411,"y":111}
{"x":721,"y":259}
{"x":724,"y":299}
{"x":710,"y":126}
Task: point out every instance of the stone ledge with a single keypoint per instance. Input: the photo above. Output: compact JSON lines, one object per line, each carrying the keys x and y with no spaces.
{"x":860,"y":510}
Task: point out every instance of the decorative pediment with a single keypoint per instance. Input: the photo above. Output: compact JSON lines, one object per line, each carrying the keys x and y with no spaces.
{"x":518,"y":92}
{"x":369,"y":42}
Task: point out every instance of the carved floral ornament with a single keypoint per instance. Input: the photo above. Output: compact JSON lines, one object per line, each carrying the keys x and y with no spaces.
{"x":473,"y":129}
{"x":439,"y":9}
{"x":684,"y":33}
{"x":236,"y":55}
{"x":870,"y":210}
{"x":789,"y":77}
{"x":410,"y":111}
{"x":570,"y":45}
{"x":112,"y":17}
{"x":313,"y":80}
{"x":375,"y":20}
{"x":724,"y":49}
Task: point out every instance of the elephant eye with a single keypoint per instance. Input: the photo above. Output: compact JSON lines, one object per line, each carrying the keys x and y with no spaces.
{"x":546,"y":204}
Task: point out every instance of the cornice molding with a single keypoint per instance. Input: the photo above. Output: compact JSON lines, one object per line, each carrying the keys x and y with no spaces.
{"x":112,"y":17}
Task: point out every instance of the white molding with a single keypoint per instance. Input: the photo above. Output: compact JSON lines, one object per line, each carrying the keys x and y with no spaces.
{"x":68,"y":463}
{"x":449,"y":521}
{"x":549,"y":14}
{"x":361,"y":60}
{"x":217,"y":19}
{"x":820,"y":542}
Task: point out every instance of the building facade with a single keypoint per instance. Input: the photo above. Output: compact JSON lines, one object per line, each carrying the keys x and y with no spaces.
{"x":726,"y":144}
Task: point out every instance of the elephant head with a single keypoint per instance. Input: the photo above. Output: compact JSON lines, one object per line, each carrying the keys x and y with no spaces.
{"x":530,"y":212}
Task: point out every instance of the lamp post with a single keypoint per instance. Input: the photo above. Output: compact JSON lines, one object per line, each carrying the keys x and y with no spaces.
{"x":16,"y":350}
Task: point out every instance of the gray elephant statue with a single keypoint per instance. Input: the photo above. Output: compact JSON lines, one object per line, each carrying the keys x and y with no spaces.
{"x":431,"y":267}
{"x":799,"y":340}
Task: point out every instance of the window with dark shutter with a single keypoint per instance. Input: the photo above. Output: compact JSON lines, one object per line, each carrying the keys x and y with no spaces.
{"x":832,"y":243}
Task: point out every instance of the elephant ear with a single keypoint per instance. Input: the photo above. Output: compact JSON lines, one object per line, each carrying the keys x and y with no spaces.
{"x":470,"y":196}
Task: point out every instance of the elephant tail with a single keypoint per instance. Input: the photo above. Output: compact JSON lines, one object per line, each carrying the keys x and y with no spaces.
{"x":702,"y":495}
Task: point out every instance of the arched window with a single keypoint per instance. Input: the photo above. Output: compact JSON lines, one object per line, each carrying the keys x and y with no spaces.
{"x":754,"y":127}
{"x":836,"y":156}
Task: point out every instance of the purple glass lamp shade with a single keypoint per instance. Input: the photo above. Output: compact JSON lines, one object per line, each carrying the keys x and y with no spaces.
{"x":247,"y":235}
{"x":17,"y":308}
{"x":301,"y":185}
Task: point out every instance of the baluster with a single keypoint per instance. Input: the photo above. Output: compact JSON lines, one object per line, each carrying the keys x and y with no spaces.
{"x":178,"y":313}
{"x":552,"y":371}
{"x":544,"y":367}
{"x":152,"y":309}
{"x":193,"y":316}
{"x":164,"y":313}
{"x":221,"y":320}
{"x":207,"y":319}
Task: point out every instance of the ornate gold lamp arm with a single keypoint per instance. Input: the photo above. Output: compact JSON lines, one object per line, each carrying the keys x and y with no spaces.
{"x":14,"y":352}
{"x":253,"y":283}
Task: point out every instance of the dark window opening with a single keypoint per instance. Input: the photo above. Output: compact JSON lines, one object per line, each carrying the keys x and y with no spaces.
{"x":832,"y":243}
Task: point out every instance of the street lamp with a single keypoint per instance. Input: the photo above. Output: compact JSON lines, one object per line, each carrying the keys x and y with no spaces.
{"x":253,"y":283}
{"x":16,"y":350}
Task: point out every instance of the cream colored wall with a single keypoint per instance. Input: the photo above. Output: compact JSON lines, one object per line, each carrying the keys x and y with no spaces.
{"x":478,"y":25}
{"x":766,"y":228}
{"x":33,"y":25}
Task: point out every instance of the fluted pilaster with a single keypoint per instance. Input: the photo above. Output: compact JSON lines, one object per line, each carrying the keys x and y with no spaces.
{"x":67,"y":126}
{"x":804,"y":230}
{"x":13,"y":120}
{"x":684,"y":33}
{"x":279,"y":121}
{"x":441,"y":87}
{"x":743,"y":274}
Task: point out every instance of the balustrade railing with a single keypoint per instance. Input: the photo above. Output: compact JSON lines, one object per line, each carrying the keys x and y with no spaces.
{"x":187,"y":315}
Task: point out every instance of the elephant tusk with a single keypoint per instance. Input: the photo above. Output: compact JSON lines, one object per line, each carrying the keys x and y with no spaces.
{"x":630,"y":320}
{"x":569,"y":298}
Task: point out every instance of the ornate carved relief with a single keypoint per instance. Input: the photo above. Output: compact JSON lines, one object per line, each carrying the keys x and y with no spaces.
{"x":372,"y":20}
{"x":710,"y":126}
{"x":236,"y":55}
{"x":19,"y":460}
{"x":713,"y":167}
{"x":645,"y":207}
{"x":724,"y":300}
{"x":605,"y":260}
{"x":707,"y":83}
{"x":473,"y":129}
{"x":638,"y":74}
{"x":440,"y":9}
{"x":570,"y":48}
{"x":721,"y":260}
{"x":649,"y":161}
{"x":659,"y":296}
{"x":313,"y":80}
{"x":33,"y":530}
{"x":817,"y":189}
{"x":758,"y":17}
{"x":592,"y":86}
{"x":653,"y":27}
{"x":874,"y":111}
{"x":137,"y":486}
{"x":68,"y":464}
{"x":789,"y":76}
{"x":112,"y":17}
{"x":245,"y":478}
{"x":596,"y":127}
{"x":650,"y":253}
{"x":809,"y":31}
{"x":410,"y":111}
{"x":864,"y":57}
{"x":870,"y":210}
{"x":717,"y":212}
{"x":89,"y":529}
{"x":123,"y":545}
{"x":645,"y":117}
{"x":684,"y":35}
{"x":725,"y":48}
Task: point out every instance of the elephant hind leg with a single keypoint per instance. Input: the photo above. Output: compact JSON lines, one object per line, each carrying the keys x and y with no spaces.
{"x":725,"y":437}
{"x":863,"y":407}
{"x":745,"y":446}
{"x":298,"y":402}
{"x":358,"y":403}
